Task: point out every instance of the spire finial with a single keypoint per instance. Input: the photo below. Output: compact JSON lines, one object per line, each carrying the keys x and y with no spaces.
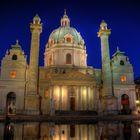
{"x":17,"y":42}
{"x":16,"y":45}
{"x":7,"y":52}
{"x":103,"y":21}
{"x":36,"y":15}
{"x":118,"y":48}
{"x":65,"y":11}
{"x":65,"y":21}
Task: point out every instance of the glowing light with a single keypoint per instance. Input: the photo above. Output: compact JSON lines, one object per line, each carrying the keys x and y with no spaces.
{"x":139,"y":130}
{"x":13,"y":74}
{"x":64,"y":97}
{"x":137,"y":101}
{"x":102,"y":28}
{"x":56,"y":96}
{"x":46,"y":93}
{"x":123,"y":78}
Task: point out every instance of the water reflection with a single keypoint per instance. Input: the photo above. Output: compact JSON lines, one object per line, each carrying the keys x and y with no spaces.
{"x":9,"y":132}
{"x":50,"y":131}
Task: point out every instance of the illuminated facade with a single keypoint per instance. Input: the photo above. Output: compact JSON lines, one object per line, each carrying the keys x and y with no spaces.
{"x":65,"y":83}
{"x":137,"y":82}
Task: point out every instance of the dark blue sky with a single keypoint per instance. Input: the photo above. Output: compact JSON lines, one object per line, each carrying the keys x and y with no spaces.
{"x":122,"y":16}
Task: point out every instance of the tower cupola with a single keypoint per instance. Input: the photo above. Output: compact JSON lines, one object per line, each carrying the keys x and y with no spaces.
{"x":36,"y":19}
{"x":103,"y":29}
{"x":103,"y":25}
{"x":65,"y":21}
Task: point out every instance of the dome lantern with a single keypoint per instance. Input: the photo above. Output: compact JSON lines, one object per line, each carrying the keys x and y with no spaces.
{"x":65,"y":21}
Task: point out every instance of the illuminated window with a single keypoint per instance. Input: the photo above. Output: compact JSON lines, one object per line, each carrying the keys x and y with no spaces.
{"x":13,"y":74}
{"x":123,"y":78}
{"x":46,"y":94}
{"x":68,"y":39}
{"x":68,"y":58}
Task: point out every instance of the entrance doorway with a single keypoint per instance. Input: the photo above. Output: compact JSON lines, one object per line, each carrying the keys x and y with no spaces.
{"x":125,"y":104}
{"x":11,"y":103}
{"x":72,"y":103}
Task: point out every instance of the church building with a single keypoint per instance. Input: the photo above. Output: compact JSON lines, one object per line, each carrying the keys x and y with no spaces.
{"x":65,"y":84}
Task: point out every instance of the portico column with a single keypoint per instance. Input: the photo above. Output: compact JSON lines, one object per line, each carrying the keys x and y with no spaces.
{"x":59,"y":126}
{"x":68,"y":92}
{"x":88,"y":132}
{"x":60,"y":101}
{"x":87,"y":97}
{"x":51,"y":92}
{"x":80,"y":99}
{"x":80,"y":132}
{"x":95,"y":98}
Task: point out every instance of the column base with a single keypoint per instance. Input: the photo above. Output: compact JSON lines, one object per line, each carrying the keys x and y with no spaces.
{"x":32,"y":104}
{"x":109,"y":105}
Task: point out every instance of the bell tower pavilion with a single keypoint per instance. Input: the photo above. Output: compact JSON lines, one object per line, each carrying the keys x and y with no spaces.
{"x":108,"y":99}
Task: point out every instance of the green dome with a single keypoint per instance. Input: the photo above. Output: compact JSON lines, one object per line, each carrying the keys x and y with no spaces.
{"x":59,"y":34}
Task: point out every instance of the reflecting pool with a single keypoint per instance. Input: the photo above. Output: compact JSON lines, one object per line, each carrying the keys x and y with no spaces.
{"x":127,"y":130}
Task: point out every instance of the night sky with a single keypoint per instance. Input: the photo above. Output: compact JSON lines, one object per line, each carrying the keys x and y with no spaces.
{"x":122,"y":17}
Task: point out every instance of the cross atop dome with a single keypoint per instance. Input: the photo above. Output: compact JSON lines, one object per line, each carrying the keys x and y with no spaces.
{"x":65,"y":12}
{"x":16,"y":46}
{"x":118,"y":52}
{"x":65,"y":21}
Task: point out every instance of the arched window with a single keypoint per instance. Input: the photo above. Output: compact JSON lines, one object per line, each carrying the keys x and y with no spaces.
{"x":68,"y":58}
{"x":14,"y":57}
{"x":68,"y":39}
{"x":11,"y":103}
{"x":125,"y":104}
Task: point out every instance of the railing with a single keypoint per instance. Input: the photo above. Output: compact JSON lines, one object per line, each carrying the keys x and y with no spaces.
{"x":20,"y":112}
{"x":68,"y":112}
{"x":81,"y":112}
